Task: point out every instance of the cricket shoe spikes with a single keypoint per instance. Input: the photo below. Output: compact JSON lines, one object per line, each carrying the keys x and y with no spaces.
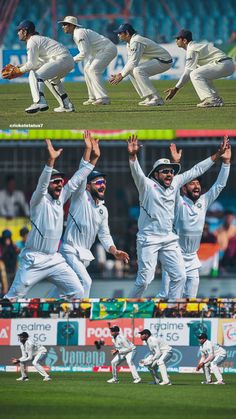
{"x":165,"y":383}
{"x":37,"y":107}
{"x":102,"y":101}
{"x":113,"y":381}
{"x":214,"y":102}
{"x":47,"y":379}
{"x":69,"y":108}
{"x":22,"y":379}
{"x":137,"y":380}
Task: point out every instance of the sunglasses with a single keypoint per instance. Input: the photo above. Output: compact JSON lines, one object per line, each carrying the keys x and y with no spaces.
{"x":99,"y":182}
{"x":166,"y":171}
{"x":57,"y":181}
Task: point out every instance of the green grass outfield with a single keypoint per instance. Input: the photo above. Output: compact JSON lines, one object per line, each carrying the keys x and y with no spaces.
{"x":124,"y":112}
{"x":87,"y":395}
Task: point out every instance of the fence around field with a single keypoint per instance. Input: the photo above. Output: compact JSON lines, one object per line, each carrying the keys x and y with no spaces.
{"x":85,"y":345}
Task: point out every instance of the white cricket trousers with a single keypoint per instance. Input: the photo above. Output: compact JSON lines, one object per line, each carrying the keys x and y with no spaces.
{"x":202,"y":77}
{"x":190,"y":287}
{"x":79,"y":267}
{"x":118,"y":359}
{"x":140,"y":76}
{"x":160,"y":364}
{"x":171,"y":260}
{"x":94,"y":69}
{"x":35,"y":267}
{"x":213,"y":367}
{"x":36,"y":363}
{"x":52,"y":71}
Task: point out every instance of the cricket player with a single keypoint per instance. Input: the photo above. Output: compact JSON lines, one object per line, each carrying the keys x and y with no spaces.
{"x":97,"y":52}
{"x":160,"y":353}
{"x":124,"y":350}
{"x":145,"y":59}
{"x":190,"y":214}
{"x":155,"y":238}
{"x":87,"y":218}
{"x":30,"y":351}
{"x":212,"y":357}
{"x":47,"y":63}
{"x":40,"y":259}
{"x":204,"y":63}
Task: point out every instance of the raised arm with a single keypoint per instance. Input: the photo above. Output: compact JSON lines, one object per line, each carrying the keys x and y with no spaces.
{"x":43,"y":182}
{"x":203,"y":166}
{"x":136,"y":171}
{"x":222,"y":178}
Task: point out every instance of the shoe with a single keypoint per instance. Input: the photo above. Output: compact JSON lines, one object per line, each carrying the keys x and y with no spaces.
{"x":89,"y":102}
{"x":143,"y":102}
{"x":155,"y":101}
{"x":102,"y":101}
{"x":137,"y":380}
{"x":165,"y":383}
{"x":206,"y":382}
{"x":218,"y":382}
{"x":36,"y":107}
{"x":65,"y":109}
{"x":47,"y":378}
{"x":113,"y":381}
{"x":22,"y":379}
{"x":211,"y":103}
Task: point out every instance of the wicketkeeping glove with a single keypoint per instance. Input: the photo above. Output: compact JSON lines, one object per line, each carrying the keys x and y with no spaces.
{"x":10,"y":71}
{"x":200,"y":366}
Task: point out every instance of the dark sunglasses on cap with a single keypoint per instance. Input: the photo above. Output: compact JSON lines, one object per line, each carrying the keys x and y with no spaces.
{"x":99,"y":182}
{"x":57,"y":181}
{"x":166,"y":171}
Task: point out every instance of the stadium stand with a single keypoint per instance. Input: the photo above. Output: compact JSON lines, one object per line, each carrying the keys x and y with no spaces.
{"x":158,"y":19}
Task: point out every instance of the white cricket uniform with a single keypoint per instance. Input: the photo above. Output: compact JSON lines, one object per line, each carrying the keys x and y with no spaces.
{"x":32,"y":352}
{"x":97,"y":51}
{"x":47,"y":61}
{"x":205,"y":63}
{"x":86,"y":220}
{"x":126,"y":352}
{"x":145,"y":59}
{"x":39,"y":259}
{"x":189,"y":223}
{"x":155,"y":237}
{"x":216,"y":355}
{"x":160,"y":353}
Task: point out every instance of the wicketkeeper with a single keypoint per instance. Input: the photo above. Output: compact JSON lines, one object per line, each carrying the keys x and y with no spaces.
{"x":47,"y":63}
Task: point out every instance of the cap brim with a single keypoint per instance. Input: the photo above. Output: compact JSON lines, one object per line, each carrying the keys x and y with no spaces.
{"x":64,"y":21}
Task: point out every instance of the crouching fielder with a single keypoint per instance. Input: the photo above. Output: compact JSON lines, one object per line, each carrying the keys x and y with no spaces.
{"x":30,"y":352}
{"x":160,"y":354}
{"x":124,"y":350}
{"x":47,"y":63}
{"x":212,"y":357}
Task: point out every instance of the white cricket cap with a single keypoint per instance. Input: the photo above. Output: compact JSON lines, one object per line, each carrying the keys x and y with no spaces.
{"x":70,"y":19}
{"x":163,"y":163}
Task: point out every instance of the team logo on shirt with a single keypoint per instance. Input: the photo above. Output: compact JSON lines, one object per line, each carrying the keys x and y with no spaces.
{"x":58,"y":202}
{"x":199,"y":205}
{"x":100,"y":211}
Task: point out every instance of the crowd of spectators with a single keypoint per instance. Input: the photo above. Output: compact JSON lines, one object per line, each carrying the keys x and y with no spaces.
{"x":49,"y":308}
